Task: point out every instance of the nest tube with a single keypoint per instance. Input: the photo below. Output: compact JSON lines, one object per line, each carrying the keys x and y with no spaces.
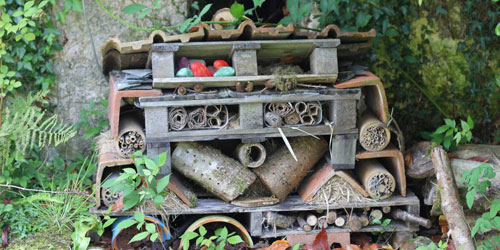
{"x":373,"y":134}
{"x":177,"y":118}
{"x":131,"y":137}
{"x":109,"y":198}
{"x":251,"y":155}
{"x":378,"y":182}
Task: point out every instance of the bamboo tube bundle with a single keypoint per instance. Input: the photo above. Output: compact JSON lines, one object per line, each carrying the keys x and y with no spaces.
{"x":217,"y":116}
{"x":177,"y":118}
{"x":107,"y":197}
{"x":251,"y":155}
{"x":131,"y":136}
{"x":373,"y":134}
{"x":378,"y":182}
{"x":282,"y":109}
{"x":281,"y":173}
{"x":197,"y":118}
{"x":222,"y":176}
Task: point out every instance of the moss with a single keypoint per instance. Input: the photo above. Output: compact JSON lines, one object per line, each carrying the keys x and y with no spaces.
{"x":42,"y":240}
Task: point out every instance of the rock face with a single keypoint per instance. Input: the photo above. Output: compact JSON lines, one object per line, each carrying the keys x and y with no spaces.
{"x":79,"y":78}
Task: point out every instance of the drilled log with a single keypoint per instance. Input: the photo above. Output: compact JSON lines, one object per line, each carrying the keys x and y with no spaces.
{"x":281,"y":173}
{"x":279,"y":220}
{"x":373,"y":134}
{"x":405,"y":216}
{"x":378,"y":182}
{"x":131,"y":137}
{"x":386,"y":210}
{"x":376,"y":214}
{"x":303,"y":224}
{"x":251,"y":155}
{"x":364,"y":220}
{"x":322,"y":222}
{"x":222,"y":176}
{"x":450,"y":202}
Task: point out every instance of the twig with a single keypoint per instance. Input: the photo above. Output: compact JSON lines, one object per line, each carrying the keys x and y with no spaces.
{"x":43,"y":191}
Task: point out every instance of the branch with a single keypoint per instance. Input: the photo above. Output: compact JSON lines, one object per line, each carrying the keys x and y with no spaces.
{"x":44,"y":191}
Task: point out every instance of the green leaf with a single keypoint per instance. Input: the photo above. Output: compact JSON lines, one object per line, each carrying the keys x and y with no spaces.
{"x":158,"y":200}
{"x":450,"y":123}
{"x":496,"y":222}
{"x":199,"y":240}
{"x":470,"y":122}
{"x":29,"y":37}
{"x":154,"y":236}
{"x":143,"y":13}
{"x":139,"y":216}
{"x":464,"y":124}
{"x":28,"y":5}
{"x":109,"y":222}
{"x":362,"y":19}
{"x":162,"y":183}
{"x":131,"y":200}
{"x":205,"y":10}
{"x":150,"y":227}
{"x":129,"y":170}
{"x":150,"y":164}
{"x":139,"y":236}
{"x":494,"y":207}
{"x":469,"y":198}
{"x":447,"y":143}
{"x":125,"y":224}
{"x":202,"y":231}
{"x":237,"y":10}
{"x":497,"y":29}
{"x":133,"y":8}
{"x":258,"y":3}
{"x":420,"y":2}
{"x":296,"y":246}
{"x":161,"y":159}
{"x":234,"y":240}
{"x":441,"y":129}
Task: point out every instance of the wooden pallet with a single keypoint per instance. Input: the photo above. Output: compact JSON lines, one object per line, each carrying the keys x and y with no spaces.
{"x":245,"y":56}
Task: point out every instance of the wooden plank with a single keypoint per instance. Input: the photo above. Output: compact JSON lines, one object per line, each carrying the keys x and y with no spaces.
{"x":207,"y":135}
{"x":146,"y":102}
{"x":395,"y":226}
{"x":230,"y":81}
{"x":291,"y":203}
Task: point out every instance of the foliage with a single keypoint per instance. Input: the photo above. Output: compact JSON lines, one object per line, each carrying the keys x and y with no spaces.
{"x":478,"y":181}
{"x":93,"y":120}
{"x":214,"y":242}
{"x":26,"y":126}
{"x":299,"y":10}
{"x":81,"y":227}
{"x":140,"y":222}
{"x":140,"y":184}
{"x":195,"y":20}
{"x":382,"y":234}
{"x":450,"y":135}
{"x":440,"y":246}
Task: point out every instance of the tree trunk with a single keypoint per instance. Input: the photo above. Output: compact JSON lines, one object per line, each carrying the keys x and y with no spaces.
{"x":450,"y":204}
{"x":222,"y":176}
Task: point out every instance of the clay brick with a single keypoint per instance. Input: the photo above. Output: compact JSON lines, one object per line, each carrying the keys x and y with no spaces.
{"x":343,"y":238}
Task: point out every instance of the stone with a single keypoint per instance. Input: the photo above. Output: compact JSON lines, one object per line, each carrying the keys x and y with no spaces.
{"x":200,"y":70}
{"x":191,"y":61}
{"x":225,"y":71}
{"x":184,"y":72}
{"x":219,"y":64}
{"x":183,"y":63}
{"x":79,"y":79}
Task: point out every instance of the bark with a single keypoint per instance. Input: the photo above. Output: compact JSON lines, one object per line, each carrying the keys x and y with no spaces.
{"x":405,"y":216}
{"x":303,"y":224}
{"x":450,"y":204}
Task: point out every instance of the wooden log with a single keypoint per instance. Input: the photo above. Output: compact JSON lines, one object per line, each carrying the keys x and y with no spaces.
{"x":378,"y":182}
{"x":312,"y":220}
{"x":408,"y":217}
{"x":279,"y":220}
{"x":303,"y":224}
{"x":131,"y":137}
{"x":364,"y":220}
{"x":451,"y":207}
{"x":281,"y":173}
{"x":354,"y":223}
{"x":251,"y":155}
{"x":373,"y":134}
{"x":322,"y":222}
{"x":340,"y":221}
{"x":386,"y":210}
{"x":331,"y":216}
{"x":375,"y":214}
{"x":222,"y":176}
{"x":419,"y":164}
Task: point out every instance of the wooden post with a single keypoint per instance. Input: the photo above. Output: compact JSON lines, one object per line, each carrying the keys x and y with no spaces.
{"x":244,"y":58}
{"x":450,"y":202}
{"x":162,"y":59}
{"x":224,"y":177}
{"x":343,"y":151}
{"x":281,"y":173}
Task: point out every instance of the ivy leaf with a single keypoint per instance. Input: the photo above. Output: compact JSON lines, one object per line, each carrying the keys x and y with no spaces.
{"x":237,"y":10}
{"x":139,"y":236}
{"x":162,"y":183}
{"x":362,"y":19}
{"x":133,"y":8}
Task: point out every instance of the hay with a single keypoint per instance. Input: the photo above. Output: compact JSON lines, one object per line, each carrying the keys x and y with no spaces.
{"x":337,"y":191}
{"x":171,"y":204}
